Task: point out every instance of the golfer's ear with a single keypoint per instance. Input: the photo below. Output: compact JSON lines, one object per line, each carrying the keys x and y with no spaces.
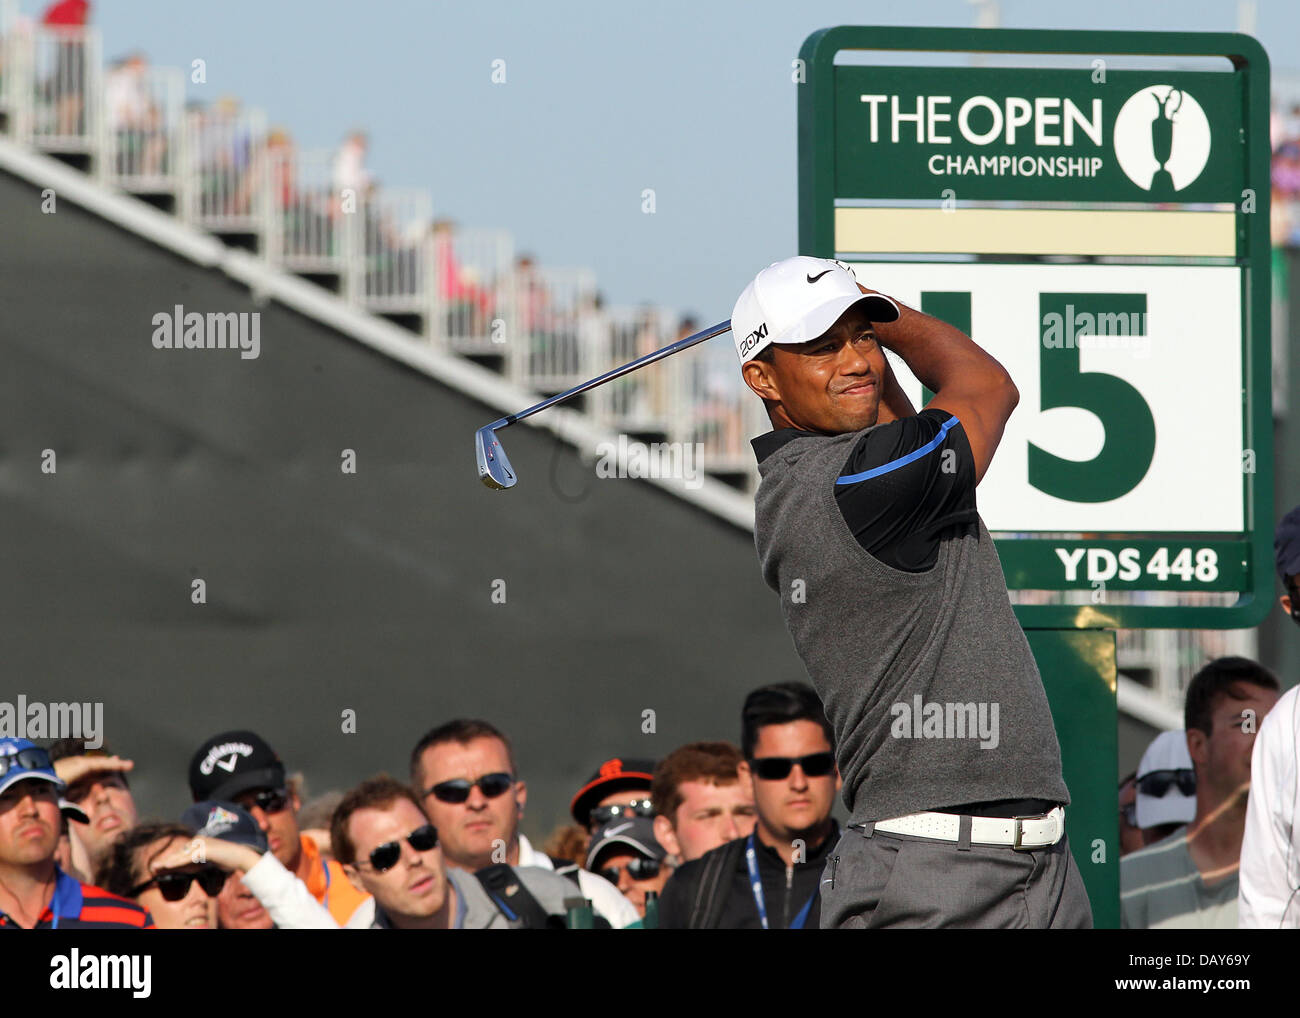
{"x":758,"y":376}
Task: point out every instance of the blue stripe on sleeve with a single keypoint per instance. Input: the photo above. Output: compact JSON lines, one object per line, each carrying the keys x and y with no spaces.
{"x":902,"y":461}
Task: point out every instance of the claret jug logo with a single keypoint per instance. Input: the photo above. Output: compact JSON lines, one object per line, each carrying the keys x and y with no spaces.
{"x":1162,"y":139}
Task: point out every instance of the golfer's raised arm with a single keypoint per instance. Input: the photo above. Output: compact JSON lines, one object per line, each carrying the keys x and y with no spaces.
{"x":967,"y":382}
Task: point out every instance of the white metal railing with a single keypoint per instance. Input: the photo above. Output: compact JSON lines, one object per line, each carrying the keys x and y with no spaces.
{"x":225,"y":180}
{"x":9,"y":54}
{"x":231,"y":176}
{"x":391,"y":277}
{"x":57,"y":97}
{"x":311,"y":230}
{"x":143,"y":128}
{"x":471,"y":307}
{"x":1170,"y":657}
{"x":557,"y":327}
{"x":713,"y":407}
{"x":637,"y":403}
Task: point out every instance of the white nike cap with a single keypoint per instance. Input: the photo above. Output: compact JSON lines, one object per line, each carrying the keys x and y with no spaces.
{"x":1166,"y":757}
{"x":797,"y":300}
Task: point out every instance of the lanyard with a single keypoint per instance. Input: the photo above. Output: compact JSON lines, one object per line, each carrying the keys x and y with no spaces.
{"x":756,"y":885}
{"x":326,"y":902}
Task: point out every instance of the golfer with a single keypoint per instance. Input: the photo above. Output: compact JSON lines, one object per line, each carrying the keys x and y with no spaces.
{"x":866,"y":526}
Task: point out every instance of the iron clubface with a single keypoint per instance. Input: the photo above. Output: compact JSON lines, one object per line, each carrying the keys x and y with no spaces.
{"x":494,"y":468}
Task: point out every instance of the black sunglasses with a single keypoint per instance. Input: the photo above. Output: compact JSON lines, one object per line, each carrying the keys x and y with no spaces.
{"x":174,"y":886}
{"x":637,"y":869}
{"x":385,"y":856}
{"x":457,"y":790}
{"x":33,"y":759}
{"x":777,"y":768}
{"x":1158,"y":783}
{"x":268,"y":802}
{"x":601,"y":815}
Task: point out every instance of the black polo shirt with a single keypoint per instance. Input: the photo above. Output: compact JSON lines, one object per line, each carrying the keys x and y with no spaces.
{"x":905,"y":487}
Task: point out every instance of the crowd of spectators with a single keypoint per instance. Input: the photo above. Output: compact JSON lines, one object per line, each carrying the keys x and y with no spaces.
{"x":664,"y":844}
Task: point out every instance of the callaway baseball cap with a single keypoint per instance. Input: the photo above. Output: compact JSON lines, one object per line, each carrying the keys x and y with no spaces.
{"x":233,"y":762}
{"x":226,"y":821}
{"x":797,"y":300}
{"x":1163,"y":779}
{"x":637,"y":833}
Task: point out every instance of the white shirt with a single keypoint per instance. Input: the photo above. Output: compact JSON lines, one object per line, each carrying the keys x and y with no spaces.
{"x":1269,"y":893}
{"x":606,"y":899}
{"x":286,"y":898}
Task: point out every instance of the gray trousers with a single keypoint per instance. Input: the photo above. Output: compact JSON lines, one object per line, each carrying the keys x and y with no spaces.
{"x":875,"y":881}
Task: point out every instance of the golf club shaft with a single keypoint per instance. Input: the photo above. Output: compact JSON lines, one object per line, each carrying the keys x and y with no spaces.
{"x":608,"y":376}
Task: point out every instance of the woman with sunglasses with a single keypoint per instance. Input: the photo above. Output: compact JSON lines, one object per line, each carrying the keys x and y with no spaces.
{"x":183,"y":898}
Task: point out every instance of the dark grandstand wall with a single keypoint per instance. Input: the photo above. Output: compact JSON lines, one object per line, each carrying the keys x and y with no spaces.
{"x":327,"y":591}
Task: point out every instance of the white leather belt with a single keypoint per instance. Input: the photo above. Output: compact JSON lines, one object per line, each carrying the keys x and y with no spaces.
{"x":1016,"y":832}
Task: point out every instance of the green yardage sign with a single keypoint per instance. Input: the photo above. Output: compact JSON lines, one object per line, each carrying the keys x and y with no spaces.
{"x":1104,"y":234}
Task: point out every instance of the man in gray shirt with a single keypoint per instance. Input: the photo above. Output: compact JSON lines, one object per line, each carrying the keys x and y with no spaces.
{"x":1188,"y":880}
{"x":867,"y":528}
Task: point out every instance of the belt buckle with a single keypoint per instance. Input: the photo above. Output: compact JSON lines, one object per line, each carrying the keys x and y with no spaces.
{"x":1017,"y":832}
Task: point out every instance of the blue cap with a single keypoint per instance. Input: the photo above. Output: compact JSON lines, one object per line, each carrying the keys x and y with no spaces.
{"x":1286,"y":545}
{"x":224,"y":820}
{"x":31,"y":762}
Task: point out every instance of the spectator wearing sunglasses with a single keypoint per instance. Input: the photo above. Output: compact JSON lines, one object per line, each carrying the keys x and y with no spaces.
{"x":181,"y":898}
{"x":700,"y":801}
{"x":227,"y":836}
{"x":240,"y":767}
{"x":97,"y":783}
{"x":626,"y":853}
{"x":619,"y":789}
{"x":1165,"y":787}
{"x":1269,"y":893}
{"x":1190,"y":878}
{"x":1130,"y":834}
{"x":387,"y":845}
{"x":464,"y":772}
{"x":34,"y":892}
{"x":771,"y":878}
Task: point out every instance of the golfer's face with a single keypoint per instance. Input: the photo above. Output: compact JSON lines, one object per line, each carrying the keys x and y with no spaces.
{"x":832,"y":384}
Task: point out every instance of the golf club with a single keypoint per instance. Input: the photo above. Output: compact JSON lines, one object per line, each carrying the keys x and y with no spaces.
{"x":494,"y":468}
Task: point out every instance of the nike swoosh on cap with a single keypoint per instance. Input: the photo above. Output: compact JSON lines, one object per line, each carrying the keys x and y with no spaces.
{"x":618,"y":830}
{"x":813,"y":279}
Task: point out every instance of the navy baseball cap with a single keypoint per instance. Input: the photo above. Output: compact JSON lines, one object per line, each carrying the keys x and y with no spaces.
{"x":226,"y":821}
{"x":1286,"y":545}
{"x":636,"y":833}
{"x":23,"y":760}
{"x":233,"y":762}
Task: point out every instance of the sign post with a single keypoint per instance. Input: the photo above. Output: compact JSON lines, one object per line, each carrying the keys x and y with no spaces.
{"x":1093,"y":209}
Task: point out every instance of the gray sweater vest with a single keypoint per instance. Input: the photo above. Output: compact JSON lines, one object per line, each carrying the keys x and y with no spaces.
{"x":927,"y":678}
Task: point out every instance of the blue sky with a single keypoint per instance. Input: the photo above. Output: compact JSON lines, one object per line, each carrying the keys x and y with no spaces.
{"x":601,"y":100}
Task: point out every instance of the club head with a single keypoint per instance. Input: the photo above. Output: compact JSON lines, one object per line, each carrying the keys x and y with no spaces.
{"x":494,"y":468}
